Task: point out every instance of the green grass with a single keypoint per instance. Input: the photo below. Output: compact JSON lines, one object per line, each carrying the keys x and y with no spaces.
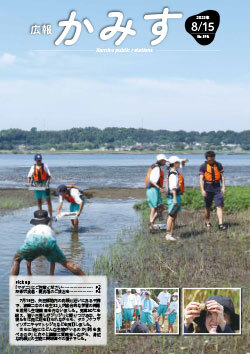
{"x":13,"y":199}
{"x":200,"y":258}
{"x":236,"y":199}
{"x":11,"y":204}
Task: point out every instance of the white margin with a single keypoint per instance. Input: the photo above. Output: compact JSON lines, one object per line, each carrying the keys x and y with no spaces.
{"x":208,"y":334}
{"x":148,"y":334}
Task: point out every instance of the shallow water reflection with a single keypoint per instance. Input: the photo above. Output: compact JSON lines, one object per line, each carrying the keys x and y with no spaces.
{"x":101,"y":224}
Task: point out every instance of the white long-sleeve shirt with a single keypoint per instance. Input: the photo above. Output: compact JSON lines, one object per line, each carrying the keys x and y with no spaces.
{"x":146,"y":305}
{"x":164,"y":298}
{"x":173,"y":181}
{"x":118,"y":307}
{"x":155,"y":174}
{"x":41,"y":230}
{"x":173,"y":306}
{"x":128,"y":301}
{"x":138,"y":300}
{"x":75,"y":193}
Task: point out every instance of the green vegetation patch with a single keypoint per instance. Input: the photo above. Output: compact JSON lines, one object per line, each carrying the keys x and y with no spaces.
{"x":13,"y":199}
{"x":236,"y":199}
{"x":200,"y":258}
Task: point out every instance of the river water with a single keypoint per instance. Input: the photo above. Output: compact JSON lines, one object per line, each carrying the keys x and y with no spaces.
{"x":113,"y":170}
{"x":101,"y":223}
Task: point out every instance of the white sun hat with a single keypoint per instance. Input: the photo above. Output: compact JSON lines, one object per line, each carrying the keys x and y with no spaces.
{"x":127,"y":290}
{"x":174,"y":159}
{"x":138,"y":291}
{"x":161,"y":157}
{"x":175,"y":294}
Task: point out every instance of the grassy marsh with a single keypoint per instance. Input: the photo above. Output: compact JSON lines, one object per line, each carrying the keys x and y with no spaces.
{"x":237,"y":198}
{"x":200,"y":258}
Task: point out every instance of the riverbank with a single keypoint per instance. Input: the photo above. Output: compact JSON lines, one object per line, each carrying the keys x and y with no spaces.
{"x":124,"y":152}
{"x":200,"y":258}
{"x":236,"y":199}
{"x":13,"y":199}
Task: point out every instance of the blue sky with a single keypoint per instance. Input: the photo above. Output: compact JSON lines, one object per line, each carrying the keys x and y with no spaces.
{"x":181,"y":85}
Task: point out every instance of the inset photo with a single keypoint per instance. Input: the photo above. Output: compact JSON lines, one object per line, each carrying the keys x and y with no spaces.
{"x":212,"y":311}
{"x":146,"y":311}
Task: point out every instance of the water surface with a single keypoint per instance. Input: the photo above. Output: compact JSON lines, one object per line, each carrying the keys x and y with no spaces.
{"x":101,"y":223}
{"x":113,"y":170}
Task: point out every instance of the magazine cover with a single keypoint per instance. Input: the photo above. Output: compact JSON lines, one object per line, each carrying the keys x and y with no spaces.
{"x":124,"y":177}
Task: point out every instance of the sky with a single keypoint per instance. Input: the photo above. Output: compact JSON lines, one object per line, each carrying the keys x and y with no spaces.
{"x":180,"y":85}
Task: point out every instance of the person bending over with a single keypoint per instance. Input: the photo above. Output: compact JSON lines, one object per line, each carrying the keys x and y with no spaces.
{"x":74,"y":196}
{"x":40,"y":241}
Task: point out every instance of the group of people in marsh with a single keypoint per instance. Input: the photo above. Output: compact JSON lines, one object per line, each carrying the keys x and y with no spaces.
{"x":212,"y":185}
{"x":40,"y":240}
{"x":138,"y":312}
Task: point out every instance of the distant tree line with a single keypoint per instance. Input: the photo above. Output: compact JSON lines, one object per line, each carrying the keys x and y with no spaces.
{"x":94,"y":138}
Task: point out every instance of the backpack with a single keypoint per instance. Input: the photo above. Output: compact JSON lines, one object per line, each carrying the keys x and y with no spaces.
{"x":147,"y":178}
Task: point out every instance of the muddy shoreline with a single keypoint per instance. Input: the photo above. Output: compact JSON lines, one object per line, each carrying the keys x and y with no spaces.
{"x":116,"y":193}
{"x":110,"y":193}
{"x":14,"y":199}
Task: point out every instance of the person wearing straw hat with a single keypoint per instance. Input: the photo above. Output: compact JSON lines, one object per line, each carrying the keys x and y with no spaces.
{"x":154,"y":183}
{"x":217,"y":316}
{"x":164,"y":301}
{"x":138,"y":304}
{"x":40,"y":241}
{"x":128,"y":308}
{"x":148,"y":306}
{"x":172,"y":312}
{"x":174,"y":188}
{"x":118,"y":311}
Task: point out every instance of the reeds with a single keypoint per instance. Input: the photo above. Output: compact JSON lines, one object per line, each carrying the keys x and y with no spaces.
{"x":200,"y":258}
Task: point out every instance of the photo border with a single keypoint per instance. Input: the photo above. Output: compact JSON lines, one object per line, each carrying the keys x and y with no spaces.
{"x":208,"y":334}
{"x":149,"y":334}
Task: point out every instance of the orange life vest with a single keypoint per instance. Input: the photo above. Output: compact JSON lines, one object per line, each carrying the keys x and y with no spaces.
{"x":39,"y":174}
{"x":212,"y":173}
{"x":181,"y":188}
{"x":147,"y":178}
{"x":68,"y":197}
{"x":181,"y":183}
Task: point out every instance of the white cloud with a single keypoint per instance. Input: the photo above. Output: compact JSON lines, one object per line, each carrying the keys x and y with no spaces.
{"x":161,"y":104}
{"x":7,"y":58}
